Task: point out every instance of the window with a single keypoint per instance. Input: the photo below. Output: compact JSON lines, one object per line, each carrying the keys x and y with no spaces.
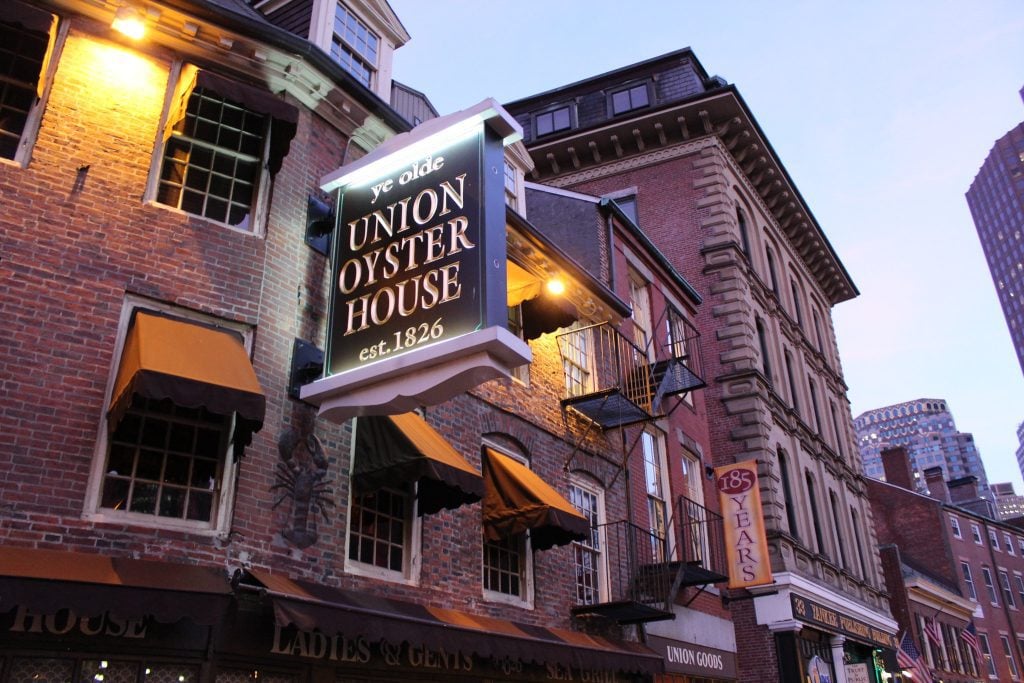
{"x":629,"y":99}
{"x":797,"y":308}
{"x":505,"y":566}
{"x":772,"y":276}
{"x":588,"y":556}
{"x":814,"y":404}
{"x":511,"y":186}
{"x":163,"y":460}
{"x":552,"y":121}
{"x":576,"y":361}
{"x":1011,"y":663}
{"x":976,"y":534}
{"x":954,"y":523}
{"x":1004,"y":583}
{"x":840,"y":434}
{"x":657,"y":502}
{"x":794,"y":399}
{"x":515,"y":326}
{"x":741,"y":223}
{"x":1008,"y":542}
{"x":787,"y":492}
{"x":860,"y":544}
{"x":354,"y":46}
{"x":993,"y":540}
{"x":986,"y":574}
{"x":24,"y":41}
{"x":812,"y":498}
{"x":762,"y":341}
{"x":817,"y":331}
{"x":838,"y":526}
{"x":222,"y":142}
{"x":1020,"y":545}
{"x":640,"y":302}
{"x":678,"y":336}
{"x":380,"y":530}
{"x":1020,"y":586}
{"x":986,"y":654}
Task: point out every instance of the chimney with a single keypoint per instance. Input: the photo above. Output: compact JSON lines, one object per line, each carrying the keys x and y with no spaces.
{"x":935,"y":479}
{"x":964,"y":489}
{"x":896,"y":465}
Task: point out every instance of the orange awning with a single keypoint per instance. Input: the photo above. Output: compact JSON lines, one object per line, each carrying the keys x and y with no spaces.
{"x":47,"y":581}
{"x":517,"y":500}
{"x":402,"y":449}
{"x":192,"y":365}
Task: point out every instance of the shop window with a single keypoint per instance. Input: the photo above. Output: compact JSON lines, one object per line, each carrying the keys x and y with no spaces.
{"x":628,"y":99}
{"x":589,"y":560}
{"x":354,"y":46}
{"x":222,"y":142}
{"x":28,"y":38}
{"x":184,"y":404}
{"x":251,"y":675}
{"x":62,"y":669}
{"x":552,"y":121}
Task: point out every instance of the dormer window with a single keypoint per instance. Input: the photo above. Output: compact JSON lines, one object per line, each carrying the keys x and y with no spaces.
{"x":354,"y":46}
{"x":628,"y":99}
{"x":553,"y":121}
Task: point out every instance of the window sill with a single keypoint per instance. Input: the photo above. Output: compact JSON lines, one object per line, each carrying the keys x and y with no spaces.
{"x":185,"y":214}
{"x":502,"y":598}
{"x":373,"y":572}
{"x":156,"y":523}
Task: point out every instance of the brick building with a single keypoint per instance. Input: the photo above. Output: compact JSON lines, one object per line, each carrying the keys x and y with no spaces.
{"x":682,"y":153}
{"x":949,"y":542}
{"x":171,"y":510}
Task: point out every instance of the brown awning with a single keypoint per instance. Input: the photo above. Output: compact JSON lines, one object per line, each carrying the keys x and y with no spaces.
{"x":47,"y":581}
{"x":311,"y":607}
{"x":403,"y":449}
{"x":517,"y":500}
{"x":194,"y":366}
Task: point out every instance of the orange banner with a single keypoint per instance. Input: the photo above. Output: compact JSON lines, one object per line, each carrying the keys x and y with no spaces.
{"x":745,"y":544}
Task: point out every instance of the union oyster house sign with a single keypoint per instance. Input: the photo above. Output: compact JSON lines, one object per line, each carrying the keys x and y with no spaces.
{"x":418,"y":272}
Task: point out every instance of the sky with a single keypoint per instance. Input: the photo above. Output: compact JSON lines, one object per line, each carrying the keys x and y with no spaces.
{"x":882,"y":111}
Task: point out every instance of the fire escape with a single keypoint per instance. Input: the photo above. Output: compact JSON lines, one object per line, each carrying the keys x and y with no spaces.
{"x":625,"y":572}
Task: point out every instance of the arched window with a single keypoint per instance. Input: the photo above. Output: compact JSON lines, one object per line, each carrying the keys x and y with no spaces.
{"x":741,"y":220}
{"x":837,"y":523}
{"x":812,"y":500}
{"x":860,"y":544}
{"x":762,"y":340}
{"x":792,"y":384}
{"x":772,"y":275}
{"x":814,"y":404}
{"x":787,"y":493}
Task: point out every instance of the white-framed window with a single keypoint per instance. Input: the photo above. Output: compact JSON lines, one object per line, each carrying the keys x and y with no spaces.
{"x":655,"y":478}
{"x":640,"y":301}
{"x":954,"y":524}
{"x":1008,"y":543}
{"x":383,"y":535}
{"x":986,"y":574}
{"x":355,"y":46}
{"x":679,"y":343}
{"x":993,"y":540}
{"x":221,"y":142}
{"x":969,"y":581}
{"x":164,"y":465}
{"x":986,"y":654}
{"x":1004,"y":583}
{"x":1011,"y":663}
{"x":1020,"y":545}
{"x":30,"y":43}
{"x":507,"y":563}
{"x":1019,"y":582}
{"x":511,"y":186}
{"x":976,"y":534}
{"x":589,"y":559}
{"x":577,"y":360}
{"x":520,"y":373}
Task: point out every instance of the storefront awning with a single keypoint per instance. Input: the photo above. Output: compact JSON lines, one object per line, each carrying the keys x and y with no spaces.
{"x":517,"y":500}
{"x":47,"y":581}
{"x":310,"y":607}
{"x":402,"y":449}
{"x":192,"y":365}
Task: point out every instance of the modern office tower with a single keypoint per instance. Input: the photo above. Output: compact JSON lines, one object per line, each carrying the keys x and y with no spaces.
{"x":683,"y":155}
{"x":996,"y":200}
{"x":1008,"y":503}
{"x":925,"y":427}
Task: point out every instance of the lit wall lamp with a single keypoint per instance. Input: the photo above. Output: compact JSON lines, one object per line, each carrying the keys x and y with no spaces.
{"x":555,"y":286}
{"x":130,"y":22}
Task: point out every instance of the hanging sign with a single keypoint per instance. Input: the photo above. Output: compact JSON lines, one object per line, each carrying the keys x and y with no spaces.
{"x":745,"y":542}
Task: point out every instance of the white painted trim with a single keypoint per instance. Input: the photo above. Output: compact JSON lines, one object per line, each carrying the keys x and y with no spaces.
{"x":775,"y":610}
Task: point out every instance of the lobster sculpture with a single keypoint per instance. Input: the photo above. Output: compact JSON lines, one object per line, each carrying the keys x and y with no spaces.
{"x":300,"y":477}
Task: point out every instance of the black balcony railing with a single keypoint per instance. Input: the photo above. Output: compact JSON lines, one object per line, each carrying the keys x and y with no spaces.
{"x":643,"y":572}
{"x":613,"y":382}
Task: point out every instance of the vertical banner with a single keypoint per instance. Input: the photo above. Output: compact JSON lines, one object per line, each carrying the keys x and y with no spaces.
{"x":746,"y":546}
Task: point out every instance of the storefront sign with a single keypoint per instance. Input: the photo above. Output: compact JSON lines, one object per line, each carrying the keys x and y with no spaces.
{"x":418,"y":310}
{"x":695,"y":660}
{"x":857,"y":673}
{"x":745,"y":542}
{"x":831,"y":620}
{"x":408,"y":267}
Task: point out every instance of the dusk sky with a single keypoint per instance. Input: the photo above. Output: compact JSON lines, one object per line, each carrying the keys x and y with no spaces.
{"x":881,"y":111}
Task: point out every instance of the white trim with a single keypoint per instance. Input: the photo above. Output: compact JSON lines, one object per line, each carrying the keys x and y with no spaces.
{"x":776,"y":612}
{"x":526,"y":600}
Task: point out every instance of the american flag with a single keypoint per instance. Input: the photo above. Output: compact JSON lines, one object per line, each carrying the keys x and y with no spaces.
{"x":970,"y":636}
{"x":909,"y":657}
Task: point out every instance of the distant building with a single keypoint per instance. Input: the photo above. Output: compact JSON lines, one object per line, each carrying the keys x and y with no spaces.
{"x":996,"y":200}
{"x":925,"y":427}
{"x":1020,"y":447}
{"x":1008,"y":503}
